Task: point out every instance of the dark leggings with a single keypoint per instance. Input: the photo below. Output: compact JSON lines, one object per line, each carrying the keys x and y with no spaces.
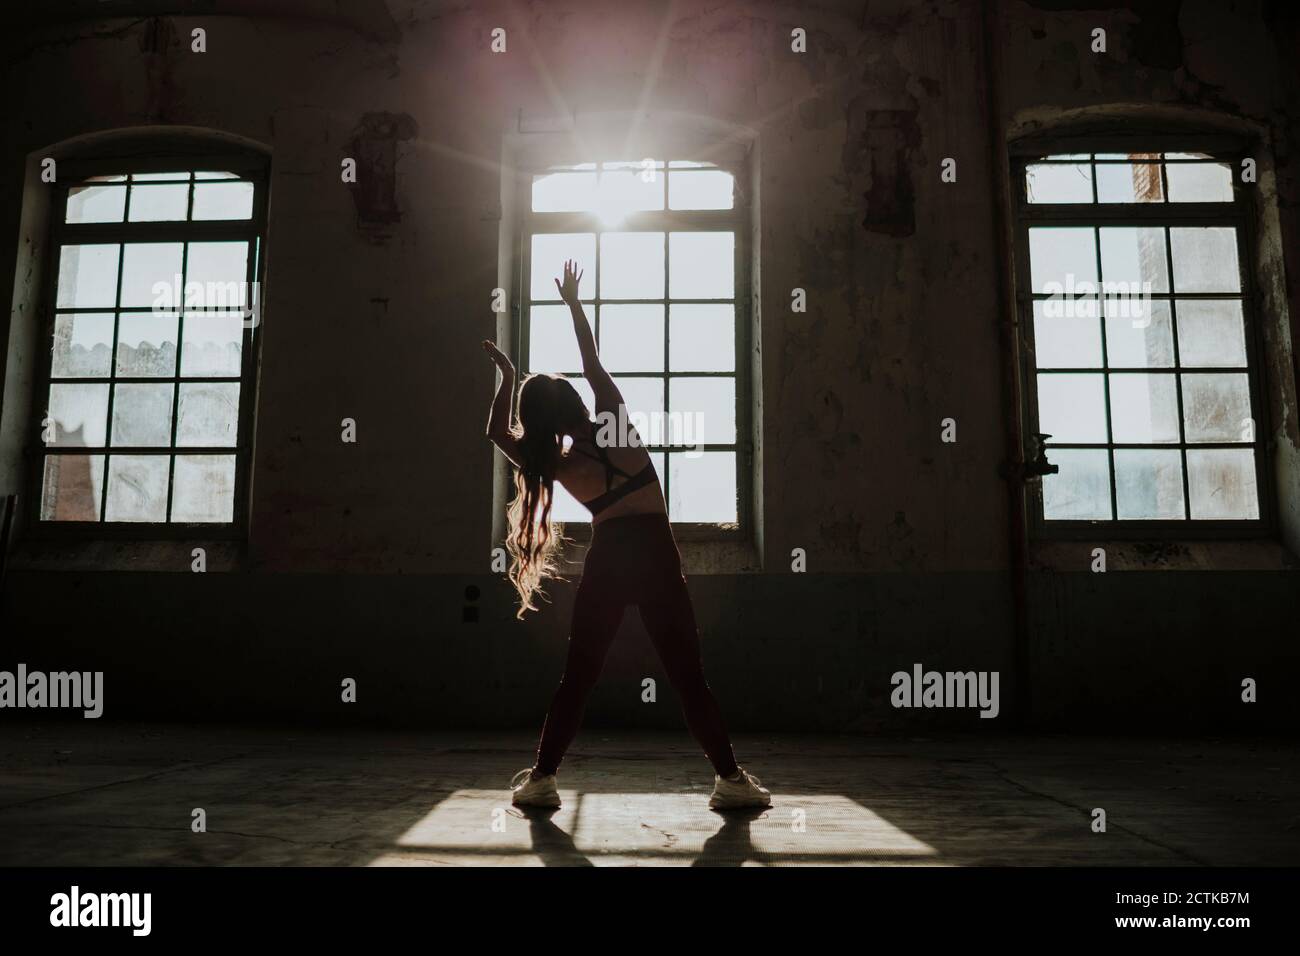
{"x":634,"y":560}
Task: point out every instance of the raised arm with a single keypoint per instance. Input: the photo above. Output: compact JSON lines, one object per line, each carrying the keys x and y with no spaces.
{"x":498,"y":427}
{"x":608,"y":397}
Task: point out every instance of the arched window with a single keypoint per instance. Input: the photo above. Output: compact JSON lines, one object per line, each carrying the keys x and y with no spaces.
{"x":663,"y":241}
{"x":1140,"y":336}
{"x":150,"y":323}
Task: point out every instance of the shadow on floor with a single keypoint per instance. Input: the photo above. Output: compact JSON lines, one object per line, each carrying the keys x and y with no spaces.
{"x":553,"y":845}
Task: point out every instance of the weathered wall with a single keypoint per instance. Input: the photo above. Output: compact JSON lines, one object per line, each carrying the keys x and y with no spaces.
{"x":358,"y":555}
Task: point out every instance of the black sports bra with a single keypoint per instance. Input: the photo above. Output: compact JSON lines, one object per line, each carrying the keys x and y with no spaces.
{"x":614,"y":493}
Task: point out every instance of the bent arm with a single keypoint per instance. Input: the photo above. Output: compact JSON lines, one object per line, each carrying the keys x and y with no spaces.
{"x":499,"y":426}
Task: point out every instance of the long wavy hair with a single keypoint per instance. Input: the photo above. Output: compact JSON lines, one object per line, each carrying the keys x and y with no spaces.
{"x":549,"y":409}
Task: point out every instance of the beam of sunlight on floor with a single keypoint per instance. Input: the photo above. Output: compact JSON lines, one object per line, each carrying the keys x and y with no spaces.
{"x":480,"y":827}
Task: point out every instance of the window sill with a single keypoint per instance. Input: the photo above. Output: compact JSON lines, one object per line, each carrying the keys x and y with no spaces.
{"x":65,"y":554}
{"x":1257,"y":555}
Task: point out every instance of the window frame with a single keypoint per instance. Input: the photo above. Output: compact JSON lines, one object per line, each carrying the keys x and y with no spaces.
{"x":1240,"y":214}
{"x":250,"y":167}
{"x":738,"y":222}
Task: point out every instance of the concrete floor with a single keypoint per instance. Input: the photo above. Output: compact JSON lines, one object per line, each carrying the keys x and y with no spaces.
{"x":95,"y":794}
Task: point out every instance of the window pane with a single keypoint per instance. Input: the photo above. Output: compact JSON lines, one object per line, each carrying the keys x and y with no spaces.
{"x":702,"y":337}
{"x":1066,"y":337}
{"x":632,"y":338}
{"x":565,"y":507}
{"x":83,"y":344}
{"x":628,"y":187}
{"x":700,"y":189}
{"x":1199,"y":182}
{"x":1058,"y":182}
{"x":549,"y":252}
{"x":204,"y":488}
{"x":96,"y":203}
{"x":1217,"y":407}
{"x":702,"y":487}
{"x":552,"y":346}
{"x":223,"y":201}
{"x":1133,"y":260}
{"x":137,"y":488}
{"x":564,"y":192}
{"x":1129,"y":182}
{"x":1148,"y":484}
{"x":1143,"y":408}
{"x":159,"y":203}
{"x":1221,"y":482}
{"x":1060,"y":259}
{"x":146,"y":344}
{"x":151,"y":274}
{"x":159,"y":177}
{"x":1211,"y":333}
{"x":216,"y":274}
{"x":78,"y":416}
{"x":1072,"y":407}
{"x":72,"y":487}
{"x":213,"y":343}
{"x":703,"y":410}
{"x":702,"y":265}
{"x":1134,"y":340}
{"x":1205,"y":259}
{"x":142,"y":415}
{"x":87,"y":276}
{"x":632,"y":265}
{"x":209,"y":414}
{"x":1081,"y":491}
{"x":644,"y":398}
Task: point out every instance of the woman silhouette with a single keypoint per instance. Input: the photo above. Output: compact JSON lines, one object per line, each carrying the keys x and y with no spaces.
{"x":633,"y":558}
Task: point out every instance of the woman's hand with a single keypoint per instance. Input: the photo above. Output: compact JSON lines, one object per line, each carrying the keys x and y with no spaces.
{"x":569,"y":287}
{"x":499,"y":358}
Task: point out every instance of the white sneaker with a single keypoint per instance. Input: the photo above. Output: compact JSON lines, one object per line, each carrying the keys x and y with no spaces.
{"x":741,"y":790}
{"x":534,"y":791}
